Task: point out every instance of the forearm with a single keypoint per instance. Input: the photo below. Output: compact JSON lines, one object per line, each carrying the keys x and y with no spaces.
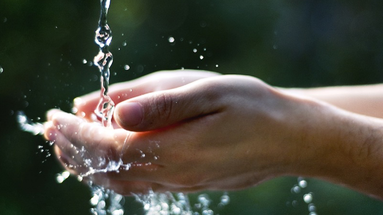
{"x":365,"y":100}
{"x":345,"y":148}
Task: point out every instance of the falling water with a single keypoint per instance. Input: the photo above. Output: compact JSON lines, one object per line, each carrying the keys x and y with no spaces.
{"x":307,"y":197}
{"x":103,"y":60}
{"x":105,"y":201}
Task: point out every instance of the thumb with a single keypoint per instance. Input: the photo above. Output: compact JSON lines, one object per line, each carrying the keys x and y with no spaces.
{"x":160,"y":109}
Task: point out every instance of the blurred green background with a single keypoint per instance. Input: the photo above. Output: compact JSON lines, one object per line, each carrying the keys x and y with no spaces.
{"x":46,"y":47}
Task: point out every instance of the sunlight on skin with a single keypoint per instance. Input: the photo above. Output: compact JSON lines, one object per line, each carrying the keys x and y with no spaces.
{"x":236,"y":131}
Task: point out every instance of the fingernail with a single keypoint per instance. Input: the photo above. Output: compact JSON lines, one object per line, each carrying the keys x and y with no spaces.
{"x":51,"y":134}
{"x":129,"y":114}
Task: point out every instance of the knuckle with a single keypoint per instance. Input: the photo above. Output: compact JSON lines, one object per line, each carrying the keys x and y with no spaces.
{"x":213,"y":93}
{"x":162,"y":106}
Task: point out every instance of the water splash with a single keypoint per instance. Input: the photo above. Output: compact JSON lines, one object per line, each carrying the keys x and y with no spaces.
{"x":178,"y":204}
{"x":27,"y":125}
{"x":104,"y":201}
{"x":164,"y":203}
{"x":307,"y":197}
{"x":61,"y":177}
{"x":103,"y":60}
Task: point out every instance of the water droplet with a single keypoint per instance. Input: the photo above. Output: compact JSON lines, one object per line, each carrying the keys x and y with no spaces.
{"x":171,"y":40}
{"x":204,"y":200}
{"x":207,"y":212}
{"x":296,"y":189}
{"x":124,"y":43}
{"x":308,"y":198}
{"x":118,"y":212}
{"x":225,"y":199}
{"x":216,"y":65}
{"x":303,"y":183}
{"x":65,"y":174}
{"x":1,"y":70}
{"x":84,"y":61}
{"x":175,"y":209}
{"x":201,"y":57}
{"x":194,"y":50}
{"x":74,"y":110}
{"x":61,"y":177}
{"x":126,"y":67}
{"x":94,"y":200}
{"x":311,"y":207}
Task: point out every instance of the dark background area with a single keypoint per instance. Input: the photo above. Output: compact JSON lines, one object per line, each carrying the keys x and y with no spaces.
{"x":298,"y":43}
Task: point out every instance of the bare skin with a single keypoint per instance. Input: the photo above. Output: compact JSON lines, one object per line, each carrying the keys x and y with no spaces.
{"x":365,"y":99}
{"x":190,"y":131}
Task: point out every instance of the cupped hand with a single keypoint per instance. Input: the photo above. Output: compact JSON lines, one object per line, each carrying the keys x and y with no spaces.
{"x":84,"y":106}
{"x":209,"y":133}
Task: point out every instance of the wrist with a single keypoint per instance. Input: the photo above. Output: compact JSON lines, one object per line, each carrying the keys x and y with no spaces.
{"x":343,"y":148}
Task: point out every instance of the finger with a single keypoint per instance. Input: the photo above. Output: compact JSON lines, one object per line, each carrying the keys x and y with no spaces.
{"x":80,"y":132}
{"x":147,"y":172}
{"x":163,"y":80}
{"x":50,"y":114}
{"x":131,"y":188}
{"x":71,"y":165}
{"x":98,"y":141}
{"x":160,"y":109}
{"x":67,"y":149}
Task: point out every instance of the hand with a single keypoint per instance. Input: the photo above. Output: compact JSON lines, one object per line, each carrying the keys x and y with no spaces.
{"x":164,"y":80}
{"x":217,"y":133}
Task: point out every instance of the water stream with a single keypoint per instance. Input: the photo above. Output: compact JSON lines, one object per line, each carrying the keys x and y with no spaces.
{"x":105,"y":201}
{"x":104,"y":61}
